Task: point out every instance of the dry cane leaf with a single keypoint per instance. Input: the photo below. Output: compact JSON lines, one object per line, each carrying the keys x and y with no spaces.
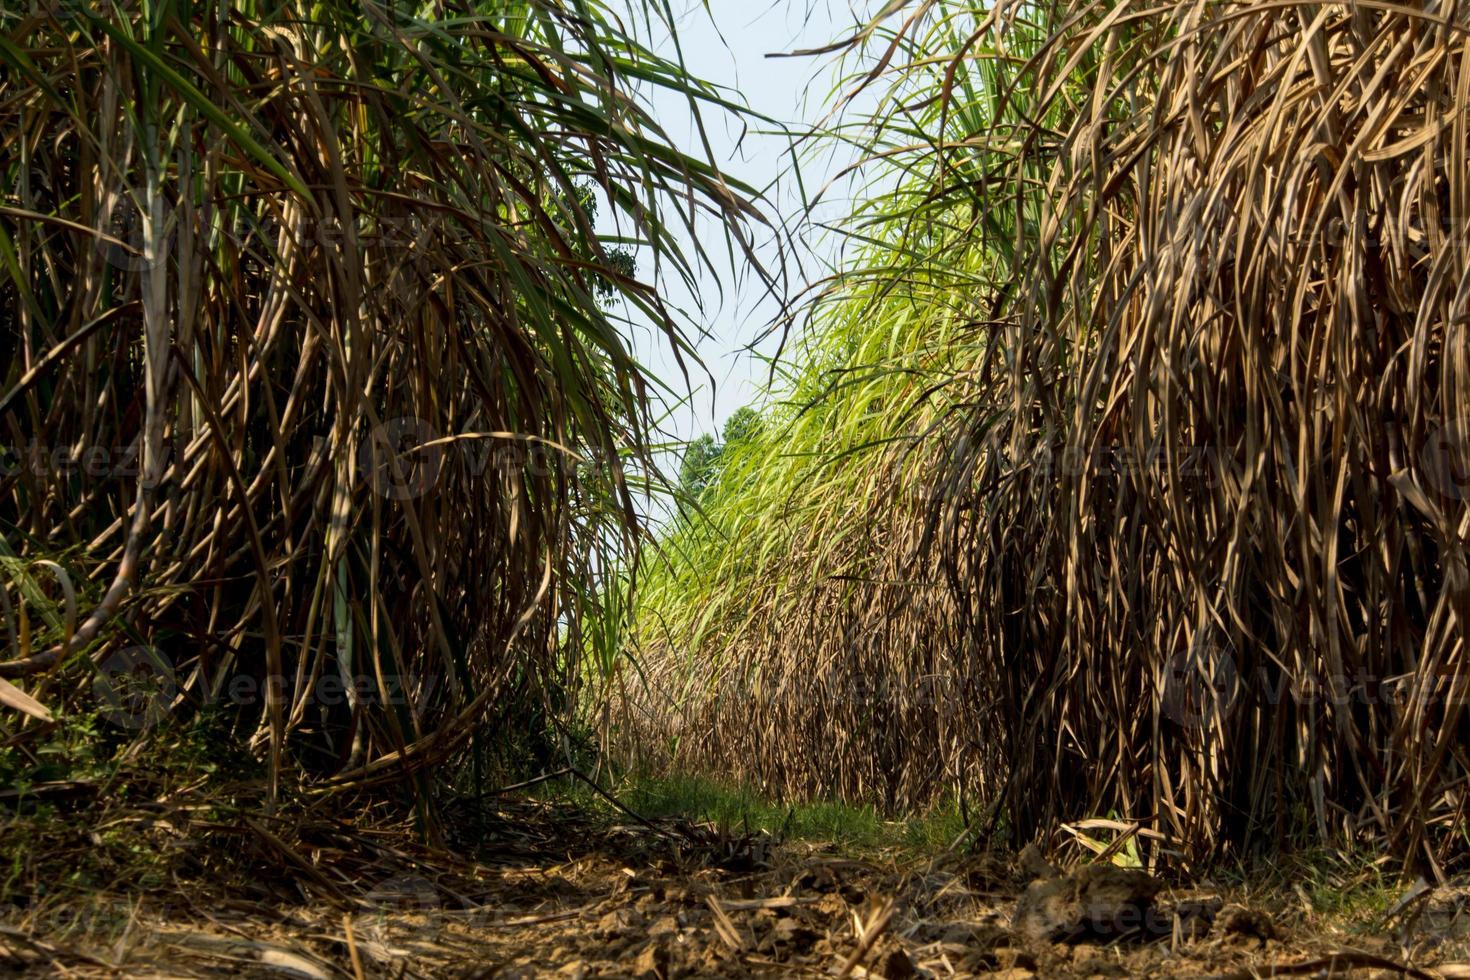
{"x":13,"y":697}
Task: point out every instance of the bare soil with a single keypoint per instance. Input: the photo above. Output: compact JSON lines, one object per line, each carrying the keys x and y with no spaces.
{"x":542,"y":892}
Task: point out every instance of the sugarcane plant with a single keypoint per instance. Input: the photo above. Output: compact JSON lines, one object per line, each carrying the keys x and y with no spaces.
{"x":318,"y":395}
{"x":1121,"y":474}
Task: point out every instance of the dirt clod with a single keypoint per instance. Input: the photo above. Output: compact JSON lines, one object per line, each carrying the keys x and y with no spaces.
{"x":1032,"y":865}
{"x":1095,"y":902}
{"x":618,"y":922}
{"x":652,"y":963}
{"x":663,"y":926}
{"x":1238,"y":920}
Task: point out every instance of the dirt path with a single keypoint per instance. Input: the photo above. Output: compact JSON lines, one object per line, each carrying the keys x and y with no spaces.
{"x":573,"y":897}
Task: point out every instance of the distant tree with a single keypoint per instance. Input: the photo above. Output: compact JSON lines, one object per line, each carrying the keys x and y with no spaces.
{"x":703,"y":456}
{"x":701,"y":461}
{"x":742,"y":425}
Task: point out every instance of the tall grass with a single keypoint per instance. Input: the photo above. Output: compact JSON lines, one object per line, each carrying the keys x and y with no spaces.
{"x":787,"y":632}
{"x":316,"y":380}
{"x":1191,"y":551}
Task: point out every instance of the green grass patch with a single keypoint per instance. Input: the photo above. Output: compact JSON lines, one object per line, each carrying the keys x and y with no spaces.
{"x":1351,"y":890}
{"x":735,"y":809}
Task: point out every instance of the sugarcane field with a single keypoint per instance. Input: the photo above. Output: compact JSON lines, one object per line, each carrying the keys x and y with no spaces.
{"x":677,"y":488}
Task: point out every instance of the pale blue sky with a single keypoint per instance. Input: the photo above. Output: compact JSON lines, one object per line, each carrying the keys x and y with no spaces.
{"x":726,"y":43}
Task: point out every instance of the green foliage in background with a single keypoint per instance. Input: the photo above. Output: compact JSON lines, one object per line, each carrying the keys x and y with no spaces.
{"x":704,"y":457}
